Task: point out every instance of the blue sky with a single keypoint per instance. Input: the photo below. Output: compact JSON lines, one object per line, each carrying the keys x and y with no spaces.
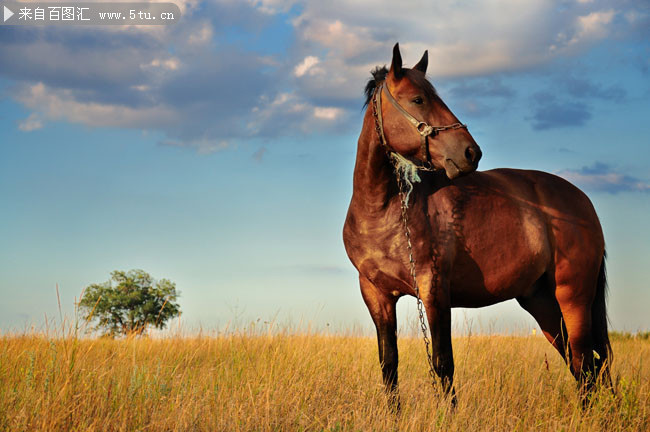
{"x":218,"y":152}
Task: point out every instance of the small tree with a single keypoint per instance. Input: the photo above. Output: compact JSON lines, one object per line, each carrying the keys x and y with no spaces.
{"x":129,"y":302}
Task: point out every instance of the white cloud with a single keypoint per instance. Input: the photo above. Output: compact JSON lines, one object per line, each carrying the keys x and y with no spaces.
{"x":327,"y":113}
{"x":307,"y":65}
{"x":272,"y":6}
{"x":201,"y":35}
{"x":592,"y":26}
{"x":62,"y":105}
{"x":462,"y":40}
{"x":477,"y":39}
{"x":601,"y":177}
{"x":293,"y":112}
{"x":171,"y":63}
{"x":186,"y":5}
{"x":347,"y":39}
{"x":33,"y":122}
{"x":195,"y":85}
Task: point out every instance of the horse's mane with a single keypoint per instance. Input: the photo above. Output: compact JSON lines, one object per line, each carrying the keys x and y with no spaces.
{"x":379,"y":75}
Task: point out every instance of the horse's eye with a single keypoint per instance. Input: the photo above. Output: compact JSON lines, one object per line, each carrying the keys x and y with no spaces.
{"x":418,"y":100}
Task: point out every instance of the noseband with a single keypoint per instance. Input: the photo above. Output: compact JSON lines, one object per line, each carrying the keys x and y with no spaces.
{"x":425,"y":130}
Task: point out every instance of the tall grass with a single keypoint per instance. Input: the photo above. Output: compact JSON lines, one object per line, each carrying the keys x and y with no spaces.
{"x":248,"y":381}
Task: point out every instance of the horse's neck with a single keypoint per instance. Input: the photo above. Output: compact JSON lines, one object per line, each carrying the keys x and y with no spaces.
{"x":374,"y":180}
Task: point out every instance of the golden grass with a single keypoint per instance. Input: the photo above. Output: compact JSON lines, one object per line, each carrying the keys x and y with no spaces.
{"x":302,"y":382}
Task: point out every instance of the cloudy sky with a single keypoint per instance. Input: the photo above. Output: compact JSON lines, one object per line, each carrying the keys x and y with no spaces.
{"x":218,"y":152}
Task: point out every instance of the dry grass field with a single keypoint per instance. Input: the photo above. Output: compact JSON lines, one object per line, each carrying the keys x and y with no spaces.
{"x":249,"y":381}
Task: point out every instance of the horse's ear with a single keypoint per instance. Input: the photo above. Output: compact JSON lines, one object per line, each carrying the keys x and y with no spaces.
{"x":423,"y":63}
{"x":396,"y":65}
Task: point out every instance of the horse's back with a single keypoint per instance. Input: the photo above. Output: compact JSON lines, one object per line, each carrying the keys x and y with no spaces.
{"x":554,"y":197}
{"x":568,"y":210}
{"x":556,"y":194}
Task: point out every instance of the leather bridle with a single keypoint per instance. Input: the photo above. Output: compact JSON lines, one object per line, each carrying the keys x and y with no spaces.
{"x":425,"y":130}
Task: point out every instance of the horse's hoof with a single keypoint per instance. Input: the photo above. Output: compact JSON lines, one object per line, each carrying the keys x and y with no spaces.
{"x":394,"y":405}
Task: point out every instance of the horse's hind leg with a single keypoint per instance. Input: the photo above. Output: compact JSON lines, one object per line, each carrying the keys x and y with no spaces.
{"x":575,"y":304}
{"x":382,"y":309}
{"x":543,"y":306}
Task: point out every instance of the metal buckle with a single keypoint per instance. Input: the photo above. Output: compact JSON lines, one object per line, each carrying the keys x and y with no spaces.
{"x":424,"y":129}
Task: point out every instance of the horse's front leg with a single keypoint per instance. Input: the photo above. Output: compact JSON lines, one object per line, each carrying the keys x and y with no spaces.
{"x":438,"y":307}
{"x":382,"y":309}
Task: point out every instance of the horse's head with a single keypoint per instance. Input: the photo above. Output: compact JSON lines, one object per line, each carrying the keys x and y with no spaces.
{"x":417,"y":123}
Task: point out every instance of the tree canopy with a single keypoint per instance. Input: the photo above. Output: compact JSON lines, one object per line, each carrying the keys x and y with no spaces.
{"x":129,"y":302}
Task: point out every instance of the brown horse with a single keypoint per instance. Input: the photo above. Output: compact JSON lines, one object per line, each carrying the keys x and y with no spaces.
{"x":478,"y":238}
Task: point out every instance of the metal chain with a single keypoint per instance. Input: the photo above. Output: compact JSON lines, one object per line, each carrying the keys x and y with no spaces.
{"x":451,"y":126}
{"x":407,"y":235}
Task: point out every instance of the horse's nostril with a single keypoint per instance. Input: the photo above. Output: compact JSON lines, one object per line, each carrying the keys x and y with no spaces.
{"x":473,"y":154}
{"x":470,"y":154}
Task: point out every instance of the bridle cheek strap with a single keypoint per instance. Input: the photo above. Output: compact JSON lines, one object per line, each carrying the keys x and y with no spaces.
{"x":425,"y":130}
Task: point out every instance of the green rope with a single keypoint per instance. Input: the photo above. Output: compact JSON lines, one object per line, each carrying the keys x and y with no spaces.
{"x":408,"y":172}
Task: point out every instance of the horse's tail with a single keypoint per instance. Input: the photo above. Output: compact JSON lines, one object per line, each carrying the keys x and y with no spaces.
{"x":603,"y":356}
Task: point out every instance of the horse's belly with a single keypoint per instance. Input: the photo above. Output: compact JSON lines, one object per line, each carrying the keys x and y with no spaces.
{"x":501,"y":285}
{"x":492,"y":282}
